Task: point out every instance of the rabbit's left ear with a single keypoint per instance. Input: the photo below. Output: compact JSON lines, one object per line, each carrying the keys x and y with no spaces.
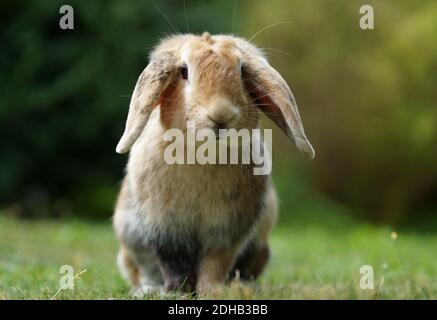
{"x":150,"y":85}
{"x":273,"y":96}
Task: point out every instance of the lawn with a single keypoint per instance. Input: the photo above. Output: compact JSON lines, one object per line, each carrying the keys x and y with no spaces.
{"x":318,"y":258}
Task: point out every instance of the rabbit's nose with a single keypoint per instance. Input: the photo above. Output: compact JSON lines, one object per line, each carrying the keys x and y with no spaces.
{"x":221,"y":122}
{"x":221,"y":125}
{"x":218,"y":124}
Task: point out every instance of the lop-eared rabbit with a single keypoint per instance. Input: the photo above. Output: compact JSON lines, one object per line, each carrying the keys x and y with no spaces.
{"x":189,"y":227}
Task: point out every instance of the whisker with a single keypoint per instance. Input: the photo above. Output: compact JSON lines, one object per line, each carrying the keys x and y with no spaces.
{"x":267,"y":111}
{"x":166,"y":18}
{"x":280,"y":51}
{"x":244,"y":147}
{"x":264,"y":104}
{"x":233,"y":16}
{"x":268,"y":27}
{"x":262,"y":96}
{"x":274,"y":143}
{"x":258,"y":87}
{"x":186,"y":17}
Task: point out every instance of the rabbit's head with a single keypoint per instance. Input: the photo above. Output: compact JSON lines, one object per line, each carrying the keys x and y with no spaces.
{"x":217,"y":82}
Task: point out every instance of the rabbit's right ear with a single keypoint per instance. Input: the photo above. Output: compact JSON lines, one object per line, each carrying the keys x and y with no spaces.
{"x":273,"y":96}
{"x":150,"y":85}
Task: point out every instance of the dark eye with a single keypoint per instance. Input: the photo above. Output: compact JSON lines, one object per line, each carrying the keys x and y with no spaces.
{"x":242,"y":70}
{"x":184,"y":72}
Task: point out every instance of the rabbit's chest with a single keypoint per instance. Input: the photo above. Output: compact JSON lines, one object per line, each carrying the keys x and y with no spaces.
{"x":216,"y":205}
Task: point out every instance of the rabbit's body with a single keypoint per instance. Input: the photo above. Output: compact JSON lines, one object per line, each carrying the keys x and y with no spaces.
{"x":188,"y":226}
{"x":189,"y":211}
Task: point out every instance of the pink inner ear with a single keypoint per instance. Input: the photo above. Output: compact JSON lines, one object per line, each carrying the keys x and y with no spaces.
{"x":168,"y":104}
{"x":266,"y":104}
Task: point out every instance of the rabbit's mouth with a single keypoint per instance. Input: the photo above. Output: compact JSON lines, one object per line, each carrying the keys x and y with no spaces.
{"x":221,"y":134}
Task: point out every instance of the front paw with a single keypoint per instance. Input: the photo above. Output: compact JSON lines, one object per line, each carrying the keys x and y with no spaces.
{"x":210,"y":289}
{"x":146,"y":289}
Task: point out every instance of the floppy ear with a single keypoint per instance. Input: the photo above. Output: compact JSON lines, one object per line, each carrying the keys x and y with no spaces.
{"x":273,"y":96}
{"x":151,"y":83}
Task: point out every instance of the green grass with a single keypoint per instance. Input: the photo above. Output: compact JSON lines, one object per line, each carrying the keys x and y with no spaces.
{"x":312,"y":259}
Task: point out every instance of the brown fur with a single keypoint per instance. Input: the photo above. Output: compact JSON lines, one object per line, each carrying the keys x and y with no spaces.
{"x":187,"y":226}
{"x":127,"y":260}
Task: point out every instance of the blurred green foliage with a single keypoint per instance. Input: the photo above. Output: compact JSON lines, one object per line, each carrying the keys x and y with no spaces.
{"x":367,"y":98}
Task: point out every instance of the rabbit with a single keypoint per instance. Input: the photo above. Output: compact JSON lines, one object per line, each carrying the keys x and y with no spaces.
{"x":191,"y":228}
